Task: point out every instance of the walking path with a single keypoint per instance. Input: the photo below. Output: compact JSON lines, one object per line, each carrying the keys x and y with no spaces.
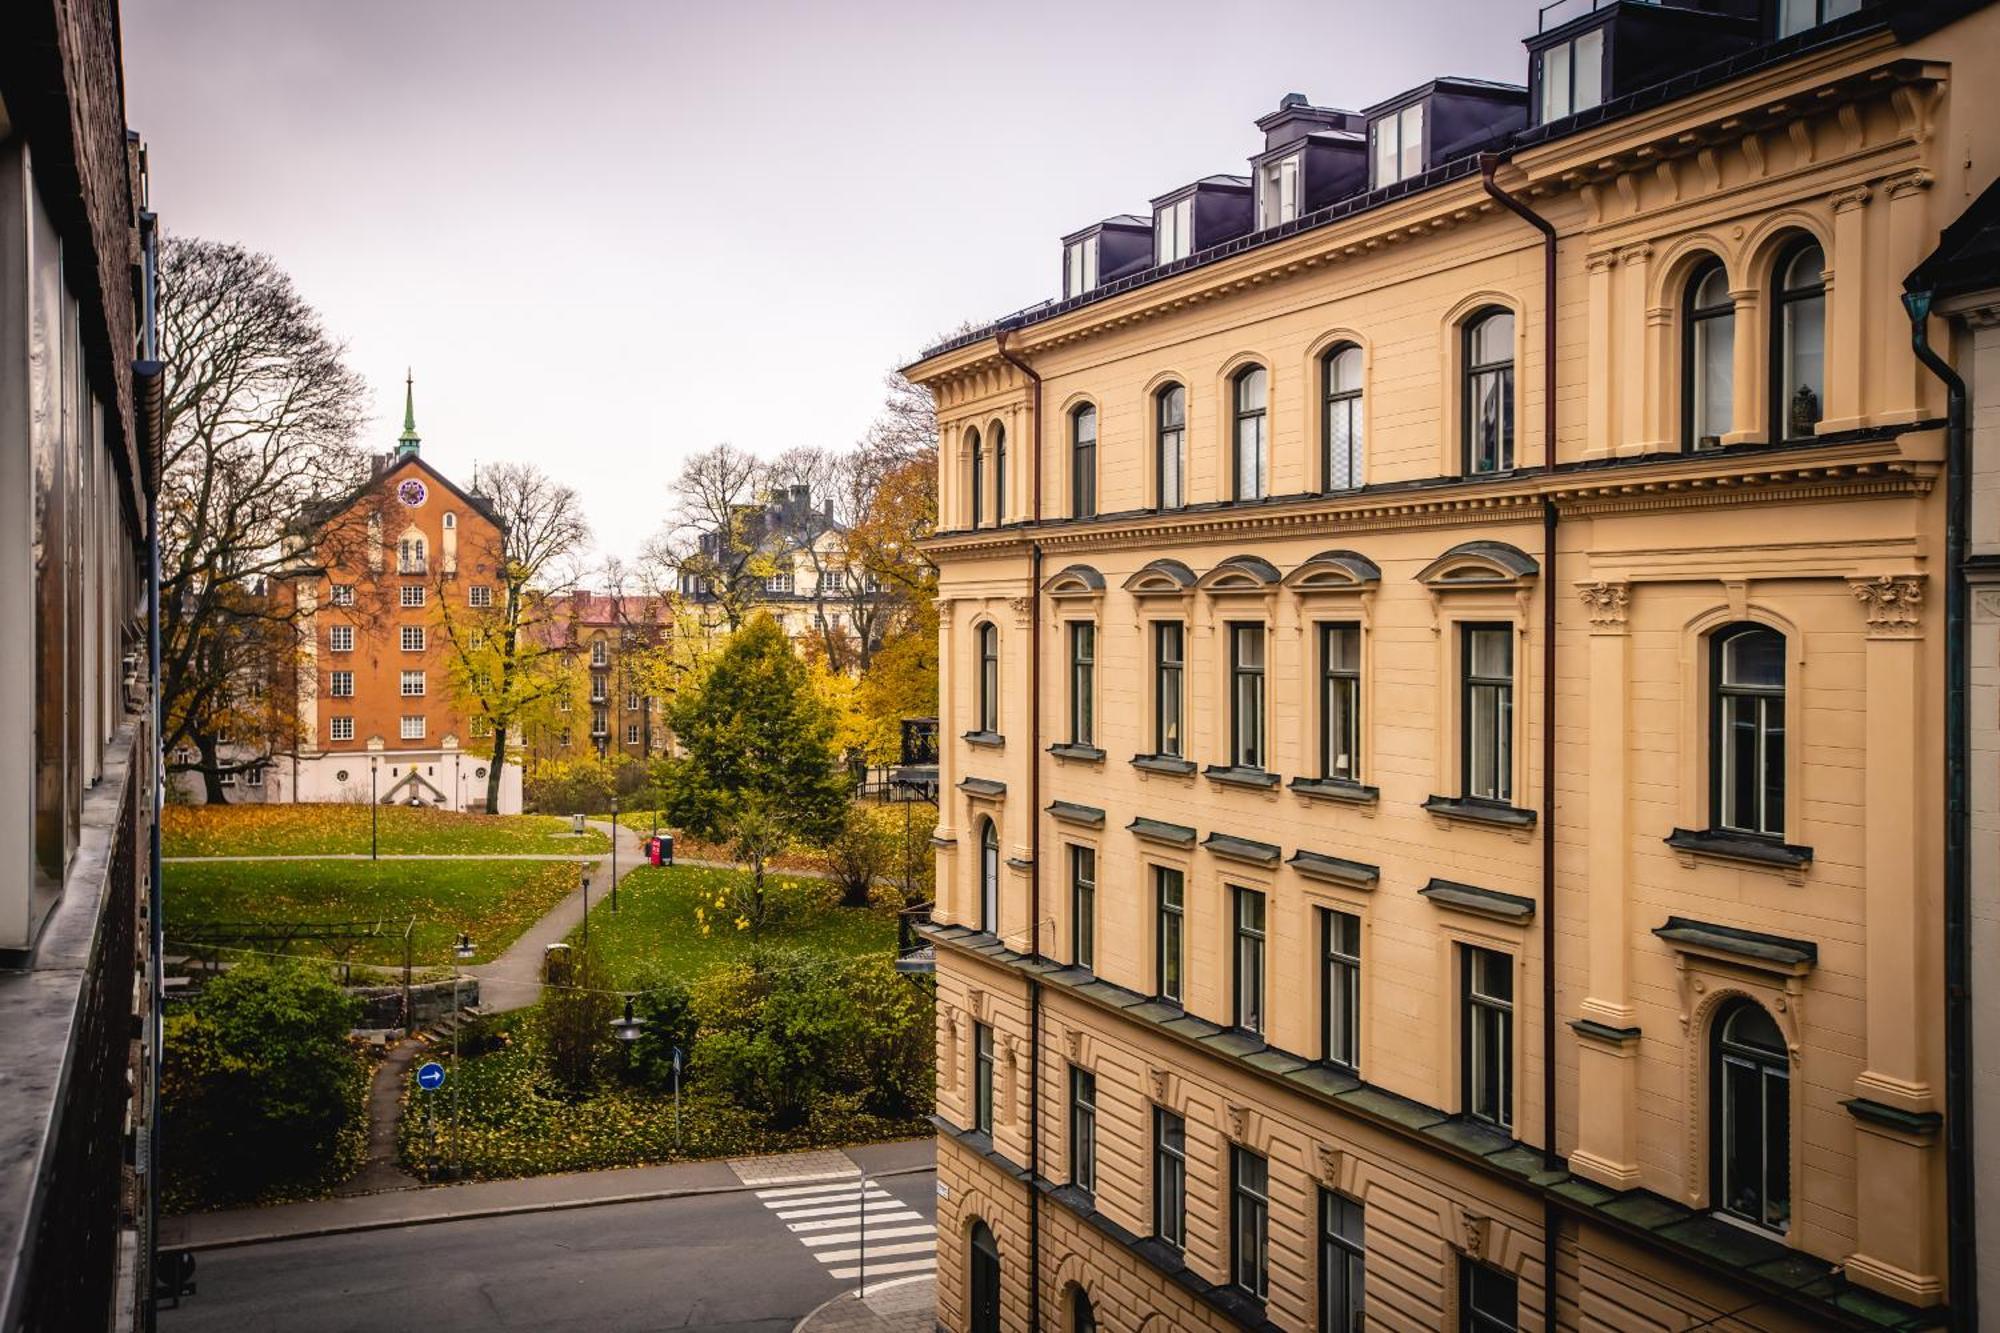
{"x":385,"y":1112}
{"x":497,"y":1198}
{"x":514,"y":979}
{"x":400,"y":856}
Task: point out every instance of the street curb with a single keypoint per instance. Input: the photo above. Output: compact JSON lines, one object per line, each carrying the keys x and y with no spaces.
{"x":806,"y":1319}
{"x":505,"y":1210}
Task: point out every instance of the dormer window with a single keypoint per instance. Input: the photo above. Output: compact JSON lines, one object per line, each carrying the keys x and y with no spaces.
{"x":1079,"y":267}
{"x":1173,"y":231}
{"x":1396,"y":143}
{"x":1795,"y":16}
{"x":1572,"y":75}
{"x":1278,"y":191}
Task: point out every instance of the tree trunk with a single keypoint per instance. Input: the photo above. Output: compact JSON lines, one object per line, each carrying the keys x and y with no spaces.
{"x":211,"y":776}
{"x":493,"y":768}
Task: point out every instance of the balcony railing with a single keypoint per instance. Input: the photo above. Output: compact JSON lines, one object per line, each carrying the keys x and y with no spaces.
{"x":914,"y":953}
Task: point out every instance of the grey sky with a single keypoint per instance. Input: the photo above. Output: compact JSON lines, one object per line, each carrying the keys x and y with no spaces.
{"x":608,"y":234}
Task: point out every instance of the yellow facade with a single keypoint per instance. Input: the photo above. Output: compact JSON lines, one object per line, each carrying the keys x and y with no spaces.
{"x":1651,"y":555}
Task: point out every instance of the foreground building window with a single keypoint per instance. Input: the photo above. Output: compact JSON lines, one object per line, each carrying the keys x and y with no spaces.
{"x":989,"y":877}
{"x":1083,"y":462}
{"x":1168,"y":889}
{"x":1708,"y":356}
{"x":1487,"y":1035}
{"x":1340,"y":702}
{"x":1795,"y":16}
{"x":1572,"y":75}
{"x":1341,"y":1254}
{"x":1343,"y":431}
{"x":1169,"y":667}
{"x":1799,"y":389}
{"x":1083,"y":905}
{"x":1246,"y":695}
{"x":1488,"y":1299}
{"x":1486,"y":709}
{"x":982,"y":1078}
{"x":1249,"y":990}
{"x":1083,"y":1129}
{"x":978,"y":477}
{"x":1249,"y":1220}
{"x":1169,"y":1177}
{"x":1752,"y":1121}
{"x":1747,"y":668}
{"x":1397,"y":145}
{"x":985,"y":1283}
{"x":1170,"y":445}
{"x":988,"y":636}
{"x":1252,"y":464}
{"x":1082,"y":682}
{"x":999,"y":475}
{"x":1489,"y":392}
{"x":1340,"y":988}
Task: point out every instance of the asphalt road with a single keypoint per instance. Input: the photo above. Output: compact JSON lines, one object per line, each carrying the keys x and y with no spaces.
{"x":726,"y":1261}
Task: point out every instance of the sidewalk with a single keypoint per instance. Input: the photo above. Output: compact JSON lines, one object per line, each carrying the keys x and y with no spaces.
{"x":514,"y":979}
{"x":498,"y":1198}
{"x":906,"y":1306}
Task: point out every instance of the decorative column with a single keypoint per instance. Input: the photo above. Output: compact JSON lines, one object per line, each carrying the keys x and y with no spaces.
{"x":1606,"y":1025}
{"x":1749,"y":382}
{"x":1904,"y":383}
{"x":1599,"y":419}
{"x":1897,"y":1171}
{"x":1636,"y":260}
{"x":1846,"y":315}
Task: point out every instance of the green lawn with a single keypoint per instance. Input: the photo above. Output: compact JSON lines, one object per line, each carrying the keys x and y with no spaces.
{"x":306,"y":830}
{"x":656,"y":925}
{"x":493,"y":901}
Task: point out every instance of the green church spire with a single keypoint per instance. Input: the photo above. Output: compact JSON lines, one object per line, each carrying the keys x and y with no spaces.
{"x":408,"y":441}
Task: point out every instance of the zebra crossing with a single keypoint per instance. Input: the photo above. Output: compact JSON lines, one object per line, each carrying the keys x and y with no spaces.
{"x":832,"y":1217}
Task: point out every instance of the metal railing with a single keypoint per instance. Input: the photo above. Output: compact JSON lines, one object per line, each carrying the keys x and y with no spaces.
{"x":914,"y":953}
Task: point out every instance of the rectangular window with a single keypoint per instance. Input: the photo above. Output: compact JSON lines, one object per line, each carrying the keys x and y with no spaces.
{"x":1169,"y":666}
{"x":1246,"y":695}
{"x":413,"y":684}
{"x":340,"y":728}
{"x":1173,"y":231}
{"x":413,"y":638}
{"x":989,"y":678}
{"x":982,"y":1078}
{"x":1398,"y":141}
{"x":600,"y":721}
{"x":254,"y":778}
{"x":1796,"y":16}
{"x":1083,"y":1129}
{"x":631,"y":701}
{"x":1168,"y":890}
{"x":479,"y":595}
{"x":1249,"y":1008}
{"x":340,"y":638}
{"x":343,"y":594}
{"x":1082,"y":682}
{"x":1079,"y":266}
{"x":1488,"y":1299}
{"x":341,"y":685}
{"x":632,"y":733}
{"x":1278,"y":192}
{"x":1486,"y":710}
{"x":1340,"y":988}
{"x":1249,"y":1220}
{"x":1487,"y":981}
{"x":413,"y":727}
{"x":1572,"y":75}
{"x":1342,"y":1250}
{"x":413,"y":594}
{"x":600,"y":653}
{"x":600,"y":688}
{"x":1169,"y":1177}
{"x":1340,"y":702}
{"x":1083,"y":905}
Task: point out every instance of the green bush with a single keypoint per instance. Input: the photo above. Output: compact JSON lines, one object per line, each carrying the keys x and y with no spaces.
{"x":576,"y":1025}
{"x":666,"y":1009}
{"x":262,"y":1093}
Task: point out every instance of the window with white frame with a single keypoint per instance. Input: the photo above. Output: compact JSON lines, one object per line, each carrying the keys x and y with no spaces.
{"x":1079,"y":266}
{"x":1169,"y":674}
{"x":413,"y":684}
{"x":479,"y":595}
{"x":1250,"y":433}
{"x":413,"y":726}
{"x":1173,"y":231}
{"x":1486,"y":713}
{"x":1082,"y":682}
{"x":1796,"y":16}
{"x":1340,"y":702}
{"x":413,"y":638}
{"x":631,"y":733}
{"x":1170,"y":446}
{"x":631,"y":701}
{"x":343,"y":594}
{"x":1278,"y":191}
{"x":1572,"y":75}
{"x":340,"y":728}
{"x":1246,"y":694}
{"x":600,"y":653}
{"x":1398,"y":145}
{"x":340,"y":638}
{"x":413,"y":594}
{"x":340,"y":685}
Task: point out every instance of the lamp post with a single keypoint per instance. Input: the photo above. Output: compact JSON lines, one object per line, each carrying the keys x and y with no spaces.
{"x":464,"y":950}
{"x":614,"y":853}
{"x":586,"y":922}
{"x":374,"y":809}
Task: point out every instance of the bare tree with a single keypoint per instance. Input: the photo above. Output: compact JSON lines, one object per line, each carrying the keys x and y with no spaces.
{"x":512,"y":659}
{"x":715,"y":539}
{"x":850,"y":610}
{"x":261,"y":418}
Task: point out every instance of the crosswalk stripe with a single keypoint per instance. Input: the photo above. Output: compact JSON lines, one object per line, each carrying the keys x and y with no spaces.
{"x":875,"y":1209}
{"x":848,"y":1256}
{"x":886,"y":1233}
{"x":885,"y":1270}
{"x":829,"y":1183}
{"x":822,"y":1224}
{"x":830,"y":1196}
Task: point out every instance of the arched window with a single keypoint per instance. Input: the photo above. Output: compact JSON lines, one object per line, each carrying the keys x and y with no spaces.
{"x":1747,"y":737}
{"x":1489,"y":391}
{"x":1083,"y":462}
{"x":1170,"y":447}
{"x":999,"y":474}
{"x":988,"y":640}
{"x":450,"y":521}
{"x":1798,"y":353}
{"x":1082,"y":1318}
{"x":1343,"y":434}
{"x":978,"y":477}
{"x":1708,"y":356}
{"x":1251,"y":393}
{"x":1750,"y":1096}
{"x":989,"y":877}
{"x":985,"y":1284}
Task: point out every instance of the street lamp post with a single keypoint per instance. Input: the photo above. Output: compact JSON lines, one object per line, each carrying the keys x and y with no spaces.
{"x":614,"y":853}
{"x":586,"y":921}
{"x":464,"y":951}
{"x":374,"y":809}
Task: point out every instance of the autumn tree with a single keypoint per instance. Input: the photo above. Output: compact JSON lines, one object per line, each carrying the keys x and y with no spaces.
{"x":511,"y":662}
{"x":261,"y":416}
{"x":850,"y":612}
{"x":715,"y":537}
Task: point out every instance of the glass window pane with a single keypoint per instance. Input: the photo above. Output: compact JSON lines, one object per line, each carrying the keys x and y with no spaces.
{"x":1555,"y":82}
{"x":1588,"y":71}
{"x":1383,"y":135}
{"x":1804,"y":369}
{"x":1715,"y":376}
{"x":1413,"y":140}
{"x":1755,"y":658}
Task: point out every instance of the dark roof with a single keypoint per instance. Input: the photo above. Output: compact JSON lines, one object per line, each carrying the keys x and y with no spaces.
{"x":315,"y":512}
{"x":1967,"y":258}
{"x":1449,"y":84}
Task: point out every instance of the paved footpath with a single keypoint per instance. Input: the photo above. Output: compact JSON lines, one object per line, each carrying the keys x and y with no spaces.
{"x":500,"y":1198}
{"x":514,"y":979}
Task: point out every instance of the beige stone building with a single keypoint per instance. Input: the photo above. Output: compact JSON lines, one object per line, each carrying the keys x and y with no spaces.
{"x":1443,"y":797}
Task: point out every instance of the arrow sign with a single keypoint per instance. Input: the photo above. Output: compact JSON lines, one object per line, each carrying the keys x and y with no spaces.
{"x":430,"y":1076}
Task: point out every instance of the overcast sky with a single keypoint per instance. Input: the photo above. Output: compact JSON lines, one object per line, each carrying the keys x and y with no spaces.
{"x":607,"y":233}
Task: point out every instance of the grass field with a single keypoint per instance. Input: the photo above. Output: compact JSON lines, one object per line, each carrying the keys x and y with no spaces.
{"x":308,"y":830}
{"x":656,"y":926}
{"x":493,"y":901}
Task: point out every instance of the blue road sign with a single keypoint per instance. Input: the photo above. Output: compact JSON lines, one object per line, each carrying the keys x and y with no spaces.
{"x":430,"y":1076}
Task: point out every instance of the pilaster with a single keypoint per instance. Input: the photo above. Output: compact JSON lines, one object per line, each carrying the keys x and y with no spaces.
{"x":1904,"y":382}
{"x":1633,"y":381}
{"x":1600,"y":421}
{"x":1846,"y":315}
{"x":1750,"y":380}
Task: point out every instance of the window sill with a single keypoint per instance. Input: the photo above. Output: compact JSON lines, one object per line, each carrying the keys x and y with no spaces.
{"x":1234,"y":775}
{"x":1694,"y":845}
{"x":1171,"y":765}
{"x":1489,"y":814}
{"x":1336,"y":789}
{"x":991,"y":740}
{"x":1082,"y":754}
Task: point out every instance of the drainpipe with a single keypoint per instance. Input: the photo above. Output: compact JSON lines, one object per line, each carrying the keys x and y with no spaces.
{"x":1488,"y":164}
{"x":1962,"y":1255}
{"x":1034,"y":830}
